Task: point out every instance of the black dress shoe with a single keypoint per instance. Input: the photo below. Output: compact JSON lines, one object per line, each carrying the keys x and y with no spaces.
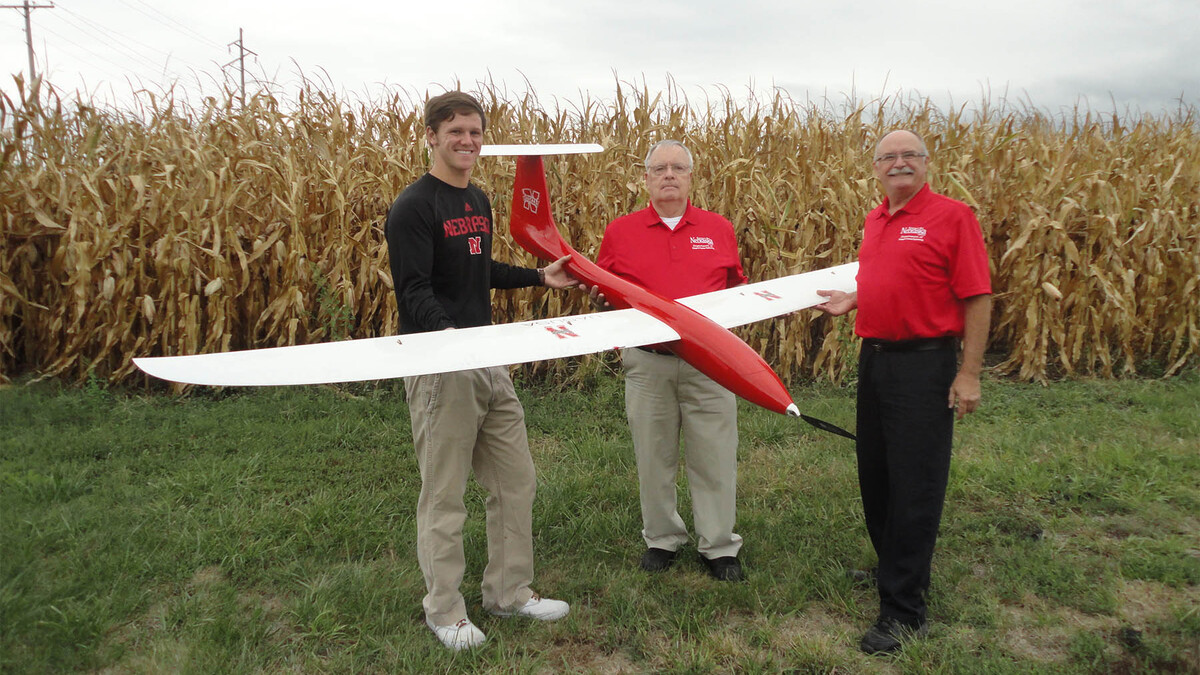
{"x":888,"y":635}
{"x":724,"y":569}
{"x":657,"y":560}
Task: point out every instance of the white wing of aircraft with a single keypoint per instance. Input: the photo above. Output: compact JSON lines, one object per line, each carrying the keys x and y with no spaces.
{"x":496,"y":345}
{"x":416,"y":353}
{"x":741,"y":305}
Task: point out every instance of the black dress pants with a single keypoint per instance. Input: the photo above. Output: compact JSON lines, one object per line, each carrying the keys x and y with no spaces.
{"x":904,"y":434}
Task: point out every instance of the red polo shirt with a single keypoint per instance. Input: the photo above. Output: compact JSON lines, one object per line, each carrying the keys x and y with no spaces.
{"x":917,"y":266}
{"x":698,"y":256}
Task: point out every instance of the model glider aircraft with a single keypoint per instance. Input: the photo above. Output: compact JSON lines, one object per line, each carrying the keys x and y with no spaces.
{"x":694,"y":328}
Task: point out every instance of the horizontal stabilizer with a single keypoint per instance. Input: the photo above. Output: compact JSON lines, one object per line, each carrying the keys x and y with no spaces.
{"x":540,"y":149}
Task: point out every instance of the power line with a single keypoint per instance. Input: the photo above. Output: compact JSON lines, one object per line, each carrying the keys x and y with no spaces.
{"x":89,"y":51}
{"x":123,"y":38}
{"x":116,"y":56}
{"x":182,"y":25}
{"x":116,"y":47}
{"x":170,"y":23}
{"x":28,"y":29}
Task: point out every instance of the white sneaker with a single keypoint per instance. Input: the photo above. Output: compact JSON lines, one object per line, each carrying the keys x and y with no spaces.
{"x":462,"y":635}
{"x":542,"y":609}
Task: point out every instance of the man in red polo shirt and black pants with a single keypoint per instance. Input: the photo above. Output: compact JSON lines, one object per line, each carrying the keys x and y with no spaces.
{"x":676,"y":250}
{"x":923,"y":284}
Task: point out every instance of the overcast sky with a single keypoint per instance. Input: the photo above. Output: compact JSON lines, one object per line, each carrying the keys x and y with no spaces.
{"x":1131,"y":55}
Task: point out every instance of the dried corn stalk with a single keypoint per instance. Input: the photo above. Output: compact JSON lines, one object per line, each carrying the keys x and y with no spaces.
{"x":188,"y":229}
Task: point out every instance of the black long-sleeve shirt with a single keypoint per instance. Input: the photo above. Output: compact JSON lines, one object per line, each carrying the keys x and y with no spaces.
{"x":440,"y":251}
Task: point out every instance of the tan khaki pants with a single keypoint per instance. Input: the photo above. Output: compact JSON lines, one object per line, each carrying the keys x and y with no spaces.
{"x":464,"y":421}
{"x":664,"y":395}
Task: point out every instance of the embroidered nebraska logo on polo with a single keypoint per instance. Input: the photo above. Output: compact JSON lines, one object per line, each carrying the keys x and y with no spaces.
{"x":531,"y":199}
{"x":475,"y":245}
{"x":912,"y":234}
{"x":562,"y":332}
{"x":703,"y":244}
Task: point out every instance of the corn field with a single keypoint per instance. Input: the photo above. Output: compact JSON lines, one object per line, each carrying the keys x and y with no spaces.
{"x":180,"y":229}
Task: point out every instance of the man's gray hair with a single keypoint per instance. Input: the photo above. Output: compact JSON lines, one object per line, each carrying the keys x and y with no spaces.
{"x":669,"y":143}
{"x":920,"y":140}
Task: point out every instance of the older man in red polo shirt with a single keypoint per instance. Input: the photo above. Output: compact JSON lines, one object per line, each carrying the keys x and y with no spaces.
{"x":923,"y":285}
{"x":675,"y":249}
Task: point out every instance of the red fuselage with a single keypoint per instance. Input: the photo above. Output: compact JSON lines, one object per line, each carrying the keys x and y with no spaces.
{"x":706,"y":345}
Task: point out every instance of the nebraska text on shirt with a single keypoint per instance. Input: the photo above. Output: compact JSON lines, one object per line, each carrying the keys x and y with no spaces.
{"x":467,"y":225}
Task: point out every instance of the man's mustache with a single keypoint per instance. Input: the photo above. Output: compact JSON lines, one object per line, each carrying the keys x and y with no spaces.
{"x":901,"y":171}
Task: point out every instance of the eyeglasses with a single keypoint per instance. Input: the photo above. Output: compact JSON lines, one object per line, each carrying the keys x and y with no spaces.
{"x":661,"y":169}
{"x":891,"y":157}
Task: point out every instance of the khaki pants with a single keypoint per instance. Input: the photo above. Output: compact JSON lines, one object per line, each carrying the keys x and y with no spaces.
{"x":464,"y":421}
{"x":664,"y":395}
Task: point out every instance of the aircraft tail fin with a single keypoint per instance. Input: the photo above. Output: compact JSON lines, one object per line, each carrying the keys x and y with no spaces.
{"x":532,"y":224}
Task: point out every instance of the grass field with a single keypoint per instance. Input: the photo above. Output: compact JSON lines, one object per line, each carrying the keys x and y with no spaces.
{"x":272,"y":531}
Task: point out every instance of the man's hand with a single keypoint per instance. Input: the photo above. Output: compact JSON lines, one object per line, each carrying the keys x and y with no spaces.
{"x":557,"y":275}
{"x":599,"y":302}
{"x":839,"y":302}
{"x":965,"y":394}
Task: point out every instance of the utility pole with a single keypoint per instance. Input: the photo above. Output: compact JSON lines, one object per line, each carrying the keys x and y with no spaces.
{"x":28,"y":28}
{"x":241,"y":61}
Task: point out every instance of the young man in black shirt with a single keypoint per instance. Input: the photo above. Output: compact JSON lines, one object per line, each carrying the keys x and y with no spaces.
{"x":439,"y":235}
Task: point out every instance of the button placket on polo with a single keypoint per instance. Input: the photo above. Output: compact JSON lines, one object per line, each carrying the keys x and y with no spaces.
{"x":674,"y":242}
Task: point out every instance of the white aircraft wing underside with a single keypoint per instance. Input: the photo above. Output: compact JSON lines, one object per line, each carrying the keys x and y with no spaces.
{"x":754,"y":302}
{"x":495,"y":345}
{"x":416,"y":353}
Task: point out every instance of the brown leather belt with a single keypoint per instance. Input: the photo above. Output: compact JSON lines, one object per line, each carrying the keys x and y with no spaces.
{"x":917,"y":345}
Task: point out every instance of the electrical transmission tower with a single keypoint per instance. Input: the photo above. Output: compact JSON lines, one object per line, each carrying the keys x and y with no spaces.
{"x":241,"y":61}
{"x":28,"y":28}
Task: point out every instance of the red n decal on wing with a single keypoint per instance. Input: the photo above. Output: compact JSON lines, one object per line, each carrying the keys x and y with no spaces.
{"x":562,"y":332}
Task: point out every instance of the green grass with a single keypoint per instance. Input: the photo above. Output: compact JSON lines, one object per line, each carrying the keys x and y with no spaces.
{"x":272,"y":531}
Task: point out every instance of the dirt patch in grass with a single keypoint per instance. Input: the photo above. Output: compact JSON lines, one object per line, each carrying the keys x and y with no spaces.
{"x":824,"y":639}
{"x":1146,"y":602}
{"x":1040,"y":632}
{"x":584,"y":657}
{"x":1034,"y":630}
{"x":207,"y":577}
{"x":817,"y":624}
